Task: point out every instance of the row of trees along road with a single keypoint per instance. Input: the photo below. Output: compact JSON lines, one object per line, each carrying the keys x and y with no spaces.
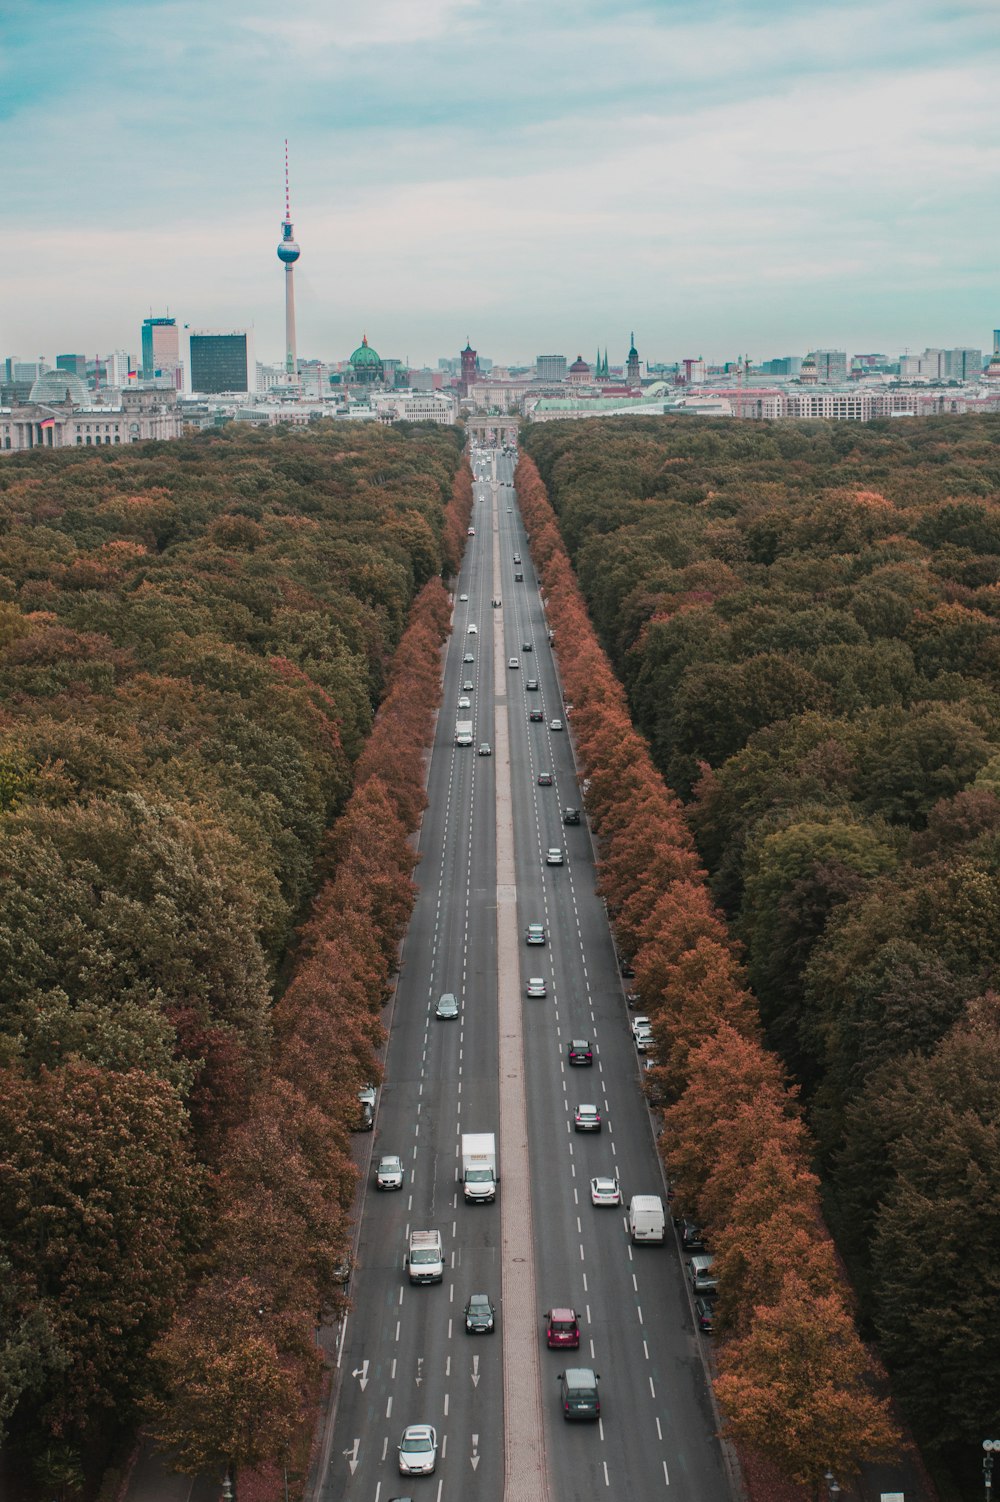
{"x":804,"y":617}
{"x":194,"y":638}
{"x":795,"y":1380}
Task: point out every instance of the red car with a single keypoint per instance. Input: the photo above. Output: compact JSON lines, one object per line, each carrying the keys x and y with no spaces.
{"x":562,"y":1330}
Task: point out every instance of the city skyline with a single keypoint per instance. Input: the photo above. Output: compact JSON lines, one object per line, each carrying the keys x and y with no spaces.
{"x":723,"y":183}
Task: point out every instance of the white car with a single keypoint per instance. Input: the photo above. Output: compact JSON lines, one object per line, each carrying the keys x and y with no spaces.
{"x":555,"y":724}
{"x":536,"y":986}
{"x":463,"y":598}
{"x":536,"y":933}
{"x":553,"y":856}
{"x":640,"y":1024}
{"x":513,"y":662}
{"x":389,"y":1173}
{"x":605,"y":1191}
{"x":418,"y":1450}
{"x":464,"y":702}
{"x":473,"y":630}
{"x":644,"y":1041}
{"x":472,"y":531}
{"x":468,"y":657}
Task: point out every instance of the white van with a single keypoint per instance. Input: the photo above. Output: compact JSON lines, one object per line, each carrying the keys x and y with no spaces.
{"x":646,"y":1218}
{"x":425,"y":1257}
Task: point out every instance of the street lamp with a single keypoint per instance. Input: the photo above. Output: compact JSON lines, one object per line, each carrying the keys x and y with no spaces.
{"x":227,"y":1487}
{"x":832,"y":1485}
{"x":991,"y":1447}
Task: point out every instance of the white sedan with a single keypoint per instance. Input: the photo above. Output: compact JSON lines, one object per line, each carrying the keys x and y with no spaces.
{"x":418,"y":1450}
{"x":555,"y":724}
{"x":605,"y":1191}
{"x":463,"y":598}
{"x":473,"y":630}
{"x":536,"y":986}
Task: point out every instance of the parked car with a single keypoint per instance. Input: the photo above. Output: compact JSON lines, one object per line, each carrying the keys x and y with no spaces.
{"x":692,"y":1236}
{"x":704,"y":1315}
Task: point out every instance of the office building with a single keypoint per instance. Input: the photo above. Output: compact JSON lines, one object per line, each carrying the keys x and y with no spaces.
{"x":221,"y":362}
{"x":550,"y":367}
{"x":160,"y":347}
{"x":76,"y":363}
{"x":831,"y":366}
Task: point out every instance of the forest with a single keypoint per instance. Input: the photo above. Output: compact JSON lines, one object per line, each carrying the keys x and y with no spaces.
{"x":211,"y":652}
{"x":804,"y":619}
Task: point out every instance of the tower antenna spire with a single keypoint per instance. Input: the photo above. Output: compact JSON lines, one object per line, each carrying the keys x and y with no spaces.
{"x":288,"y":254}
{"x":288,"y":200}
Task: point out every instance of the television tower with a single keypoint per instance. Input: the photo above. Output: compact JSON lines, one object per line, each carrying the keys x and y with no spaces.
{"x":288,"y":254}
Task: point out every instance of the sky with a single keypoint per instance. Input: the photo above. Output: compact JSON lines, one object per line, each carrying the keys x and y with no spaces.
{"x":540,"y":176}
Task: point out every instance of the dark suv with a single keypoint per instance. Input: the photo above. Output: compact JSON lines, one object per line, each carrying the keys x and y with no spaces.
{"x":571,"y":816}
{"x":578,"y":1390}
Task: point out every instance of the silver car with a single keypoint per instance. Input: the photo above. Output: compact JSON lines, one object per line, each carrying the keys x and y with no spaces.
{"x":389,"y":1173}
{"x":418,"y":1450}
{"x":447,"y":1007}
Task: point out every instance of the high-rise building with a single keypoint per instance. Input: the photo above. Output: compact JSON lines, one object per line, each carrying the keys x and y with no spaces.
{"x":550,"y":367}
{"x":831,"y":365}
{"x":76,"y":363}
{"x":288,"y":254}
{"x":161,"y":354}
{"x":221,"y":362}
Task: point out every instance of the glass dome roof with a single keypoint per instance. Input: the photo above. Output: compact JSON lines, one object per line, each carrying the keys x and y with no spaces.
{"x":59,"y":386}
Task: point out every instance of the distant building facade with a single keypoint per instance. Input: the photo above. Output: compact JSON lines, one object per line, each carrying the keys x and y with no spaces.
{"x":70,"y":418}
{"x":221,"y":362}
{"x":550,"y":367}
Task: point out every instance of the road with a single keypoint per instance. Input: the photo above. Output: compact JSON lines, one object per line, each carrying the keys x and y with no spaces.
{"x":404,"y":1354}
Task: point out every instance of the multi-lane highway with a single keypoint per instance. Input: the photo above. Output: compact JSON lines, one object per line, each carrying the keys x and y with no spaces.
{"x":404,"y":1355}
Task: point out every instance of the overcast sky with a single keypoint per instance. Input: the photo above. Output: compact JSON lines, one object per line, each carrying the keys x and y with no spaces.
{"x":540,"y":175}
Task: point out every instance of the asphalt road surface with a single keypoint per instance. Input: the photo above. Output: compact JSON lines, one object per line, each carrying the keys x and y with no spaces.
{"x":404,"y":1355}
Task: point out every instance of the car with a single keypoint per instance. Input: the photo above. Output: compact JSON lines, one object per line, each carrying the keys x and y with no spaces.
{"x":579,"y":1051}
{"x":555,"y":724}
{"x":526,"y":646}
{"x":389,"y":1172}
{"x":562,"y":1330}
{"x":517,"y":557}
{"x":633,"y":999}
{"x":553,"y":856}
{"x":586,"y":1118}
{"x":480,"y":1315}
{"x":468,"y":687}
{"x":692,"y":1236}
{"x":472,"y":531}
{"x":644,"y":1041}
{"x":704,"y":1315}
{"x":532,"y":685}
{"x":464,"y":702}
{"x":571,"y":816}
{"x":536,"y":716}
{"x":468,"y":657}
{"x":418,"y":1450}
{"x":366,"y":1095}
{"x":578,"y":1392}
{"x":473,"y":630}
{"x":605,"y":1190}
{"x":535,"y":933}
{"x":509,"y":510}
{"x":625,"y":966}
{"x":640,"y":1024}
{"x":463,"y":598}
{"x":545,"y":779}
{"x":513,"y":662}
{"x":495,"y":604}
{"x":485,"y":749}
{"x":536,"y":986}
{"x":447,"y":1007}
{"x":518,"y":578}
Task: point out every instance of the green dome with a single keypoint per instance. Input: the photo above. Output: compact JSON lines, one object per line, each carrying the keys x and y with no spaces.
{"x":365,"y":355}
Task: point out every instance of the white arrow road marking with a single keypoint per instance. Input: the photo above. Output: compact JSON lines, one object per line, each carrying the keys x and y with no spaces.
{"x":362,"y":1373}
{"x":475,"y":1380}
{"x":353,"y":1453}
{"x":475,"y":1451}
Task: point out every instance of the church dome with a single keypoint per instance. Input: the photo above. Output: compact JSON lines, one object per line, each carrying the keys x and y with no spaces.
{"x":579,"y":366}
{"x":59,"y":386}
{"x":364,"y":355}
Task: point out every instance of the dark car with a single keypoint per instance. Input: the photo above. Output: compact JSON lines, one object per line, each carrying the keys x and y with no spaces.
{"x":571,"y":816}
{"x":580,"y":1052}
{"x":578,"y":1391}
{"x":480,"y":1316}
{"x":535,"y":715}
{"x":562,"y":1329}
{"x":692,"y":1236}
{"x":704,"y":1311}
{"x":526,"y":646}
{"x":625,"y":966}
{"x":532,"y":685}
{"x":518,"y":578}
{"x":545,"y":779}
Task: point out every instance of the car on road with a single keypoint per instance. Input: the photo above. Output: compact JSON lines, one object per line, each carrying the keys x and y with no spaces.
{"x":485,"y":749}
{"x":526,"y":646}
{"x":472,"y":531}
{"x":532,"y":685}
{"x":536,"y":716}
{"x":571,"y":816}
{"x":480,"y":1315}
{"x":418,"y":1450}
{"x":545,"y":779}
{"x":579,"y":1051}
{"x":605,"y":1190}
{"x":586,"y":1118}
{"x":513,"y":662}
{"x":389,"y":1172}
{"x":536,"y":986}
{"x":447,"y":1007}
{"x":468,"y":657}
{"x":518,"y":578}
{"x":473,"y":630}
{"x":562,"y":1330}
{"x":555,"y":724}
{"x":463,"y":598}
{"x":553,"y":856}
{"x":704,"y":1315}
{"x":468,"y":686}
{"x":535,"y":933}
{"x":578,"y":1392}
{"x":464,"y":702}
{"x":517,"y":557}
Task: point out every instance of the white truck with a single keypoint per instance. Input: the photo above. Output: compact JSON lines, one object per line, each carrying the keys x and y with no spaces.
{"x":646,"y":1218}
{"x":463,"y":732}
{"x":479,"y":1167}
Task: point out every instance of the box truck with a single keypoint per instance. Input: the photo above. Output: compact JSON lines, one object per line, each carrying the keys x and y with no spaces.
{"x":463,"y":732}
{"x":479,"y":1167}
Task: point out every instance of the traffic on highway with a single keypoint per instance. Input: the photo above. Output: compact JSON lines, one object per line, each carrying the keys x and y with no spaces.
{"x":520,"y":1325}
